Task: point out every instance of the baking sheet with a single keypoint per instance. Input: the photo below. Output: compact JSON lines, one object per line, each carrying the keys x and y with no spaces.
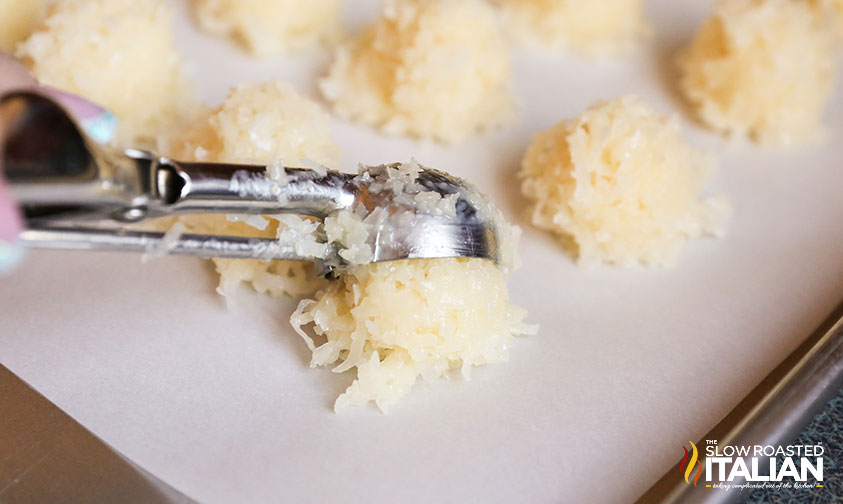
{"x":627,"y":367}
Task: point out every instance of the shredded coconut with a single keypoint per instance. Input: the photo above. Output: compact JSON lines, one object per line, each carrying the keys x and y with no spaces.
{"x":168,"y":242}
{"x":118,"y":53}
{"x":260,"y":123}
{"x":398,"y":321}
{"x":830,"y":11}
{"x":258,"y":222}
{"x":270,"y":27}
{"x":18,"y":18}
{"x":590,"y":27}
{"x":429,"y":68}
{"x":302,"y":233}
{"x":622,"y":184}
{"x":351,"y":234}
{"x":761,"y":68}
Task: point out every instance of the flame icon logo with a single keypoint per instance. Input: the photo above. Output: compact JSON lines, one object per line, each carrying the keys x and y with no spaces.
{"x":687,"y":466}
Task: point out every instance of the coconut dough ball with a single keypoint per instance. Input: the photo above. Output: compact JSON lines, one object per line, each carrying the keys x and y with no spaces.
{"x":118,"y":53}
{"x":831,"y":11}
{"x":260,"y":123}
{"x":590,"y":27}
{"x":398,"y":321}
{"x":267,"y":123}
{"x":18,"y":18}
{"x":428,"y":68}
{"x":269,"y":27}
{"x":762,"y":69}
{"x":622,"y":184}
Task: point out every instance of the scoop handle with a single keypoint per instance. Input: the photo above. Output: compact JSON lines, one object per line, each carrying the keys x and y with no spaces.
{"x":155,"y":243}
{"x":50,"y":163}
{"x":188,"y":187}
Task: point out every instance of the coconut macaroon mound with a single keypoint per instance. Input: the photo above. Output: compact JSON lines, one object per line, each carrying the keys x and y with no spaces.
{"x":261,"y":123}
{"x":273,"y":278}
{"x":622,"y":184}
{"x":270,"y":27}
{"x":428,"y":68}
{"x":593,"y":28}
{"x":18,"y":18}
{"x":832,"y":9}
{"x":400,"y":320}
{"x":762,"y":69}
{"x":118,"y":53}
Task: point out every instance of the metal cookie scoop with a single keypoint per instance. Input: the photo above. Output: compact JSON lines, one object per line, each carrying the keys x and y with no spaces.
{"x":81,"y":195}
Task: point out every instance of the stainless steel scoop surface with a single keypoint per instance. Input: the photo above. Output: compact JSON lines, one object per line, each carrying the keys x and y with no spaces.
{"x":78,"y":194}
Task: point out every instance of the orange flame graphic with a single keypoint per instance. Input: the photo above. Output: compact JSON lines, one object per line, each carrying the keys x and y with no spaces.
{"x":699,"y":472}
{"x":686,"y":467}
